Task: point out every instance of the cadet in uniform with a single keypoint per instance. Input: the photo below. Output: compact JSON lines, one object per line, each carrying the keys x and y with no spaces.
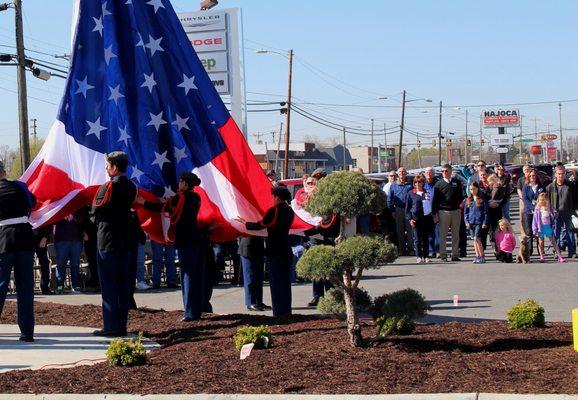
{"x":111,"y":209}
{"x":17,"y":250}
{"x":190,"y":242}
{"x":277,"y":220}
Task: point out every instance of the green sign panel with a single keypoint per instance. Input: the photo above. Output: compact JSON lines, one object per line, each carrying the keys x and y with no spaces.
{"x":525,"y":140}
{"x":384,"y":154}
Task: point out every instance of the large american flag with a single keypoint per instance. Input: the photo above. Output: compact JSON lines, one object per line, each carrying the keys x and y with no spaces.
{"x":136,"y":84}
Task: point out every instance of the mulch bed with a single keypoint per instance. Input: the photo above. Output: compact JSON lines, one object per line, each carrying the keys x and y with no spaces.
{"x":312,"y":355}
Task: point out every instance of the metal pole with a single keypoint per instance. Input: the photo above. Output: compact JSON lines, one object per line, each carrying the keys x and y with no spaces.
{"x":344,"y":149}
{"x":371,"y":150}
{"x":481,"y":141}
{"x":520,"y":156}
{"x":440,"y":138}
{"x":466,"y":153}
{"x":401,"y":129}
{"x":561,"y":140}
{"x":288,"y":119}
{"x":278,"y":147}
{"x":22,"y":92}
{"x":386,"y":163}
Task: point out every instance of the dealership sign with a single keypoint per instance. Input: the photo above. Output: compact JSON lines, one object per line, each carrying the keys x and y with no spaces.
{"x":500,"y":118}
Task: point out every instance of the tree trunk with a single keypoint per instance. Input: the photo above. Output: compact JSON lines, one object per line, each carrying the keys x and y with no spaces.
{"x":353,"y":328}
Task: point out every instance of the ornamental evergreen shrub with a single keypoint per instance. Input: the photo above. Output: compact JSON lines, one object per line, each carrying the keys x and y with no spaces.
{"x":126,"y":352}
{"x":260,"y":335}
{"x":403,"y":325}
{"x":526,"y":314}
{"x":334,"y":303}
{"x":407,"y":302}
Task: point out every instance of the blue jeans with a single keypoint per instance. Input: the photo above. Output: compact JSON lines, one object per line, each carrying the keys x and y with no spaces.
{"x":23,"y":262}
{"x":506,"y":209}
{"x":113,"y":273}
{"x":563,"y":228}
{"x":68,"y":251}
{"x":140,"y":269}
{"x":253,"y":280}
{"x":192,"y":263}
{"x":163,"y":254}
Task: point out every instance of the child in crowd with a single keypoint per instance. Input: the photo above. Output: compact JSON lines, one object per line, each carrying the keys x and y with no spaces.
{"x":505,"y":242}
{"x":476,"y":219}
{"x":542,"y":226}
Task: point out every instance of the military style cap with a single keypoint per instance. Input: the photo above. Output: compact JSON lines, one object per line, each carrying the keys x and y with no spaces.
{"x":282,"y":192}
{"x":116,"y":156}
{"x":190,"y":179}
{"x":319,"y":171}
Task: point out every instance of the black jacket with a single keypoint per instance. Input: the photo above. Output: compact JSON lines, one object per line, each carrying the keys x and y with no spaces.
{"x":251,"y":246}
{"x":447,"y":196}
{"x":15,"y":201}
{"x":112,"y":214}
{"x":277,"y":220}
{"x":187,"y":232}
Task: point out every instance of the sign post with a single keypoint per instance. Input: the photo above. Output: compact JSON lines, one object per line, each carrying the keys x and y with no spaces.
{"x":501,"y":119}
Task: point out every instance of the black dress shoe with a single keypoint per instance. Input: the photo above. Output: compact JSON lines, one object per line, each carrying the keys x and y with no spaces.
{"x":26,"y":339}
{"x":105,"y":333}
{"x":255,"y":307}
{"x":313,"y":302}
{"x":172,"y":286}
{"x":265,"y":306}
{"x":189,"y":319}
{"x":456,"y":259}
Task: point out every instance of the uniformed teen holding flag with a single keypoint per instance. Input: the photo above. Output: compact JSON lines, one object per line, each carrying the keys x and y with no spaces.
{"x":189,"y":240}
{"x":17,"y":250}
{"x":111,"y":209}
{"x":277,"y":220}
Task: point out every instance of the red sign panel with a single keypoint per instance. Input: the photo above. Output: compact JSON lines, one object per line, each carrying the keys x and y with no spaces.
{"x":500,"y":118}
{"x":551,"y":151}
{"x":536,"y":150}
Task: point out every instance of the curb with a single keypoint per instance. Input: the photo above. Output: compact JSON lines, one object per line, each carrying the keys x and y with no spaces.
{"x":407,"y":396}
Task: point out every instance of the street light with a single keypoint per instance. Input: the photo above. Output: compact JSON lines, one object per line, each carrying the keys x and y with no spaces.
{"x":289,"y":55}
{"x":403,"y":101}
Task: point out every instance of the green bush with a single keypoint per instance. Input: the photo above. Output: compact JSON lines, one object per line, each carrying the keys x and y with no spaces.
{"x":526,"y":314}
{"x":320,"y":262}
{"x":334,"y":303}
{"x":406,"y":302}
{"x":126,"y":352}
{"x":260,"y":335}
{"x":403,"y":325}
{"x":366,"y":252}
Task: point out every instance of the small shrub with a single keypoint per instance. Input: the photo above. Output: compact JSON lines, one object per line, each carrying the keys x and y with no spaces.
{"x":260,"y":335}
{"x":406,"y":302}
{"x":403,"y":325}
{"x":126,"y":352}
{"x":526,"y":314}
{"x":334,"y":303}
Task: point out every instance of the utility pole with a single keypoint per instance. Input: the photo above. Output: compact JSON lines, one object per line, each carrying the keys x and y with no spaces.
{"x":520,"y":156}
{"x":466,"y":153}
{"x":481,"y":141}
{"x":371,"y":150}
{"x":561,"y":140}
{"x":401,"y":129}
{"x":22,"y":92}
{"x":344,"y":149}
{"x":440,"y":138}
{"x":288,"y":119}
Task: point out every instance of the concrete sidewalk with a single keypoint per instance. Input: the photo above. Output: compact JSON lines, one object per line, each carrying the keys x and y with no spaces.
{"x":54,"y":347}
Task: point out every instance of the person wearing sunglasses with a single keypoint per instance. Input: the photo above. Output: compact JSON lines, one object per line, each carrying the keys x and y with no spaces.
{"x":479,"y":168}
{"x":448,"y":197}
{"x":391,"y":177}
{"x":530,"y":192}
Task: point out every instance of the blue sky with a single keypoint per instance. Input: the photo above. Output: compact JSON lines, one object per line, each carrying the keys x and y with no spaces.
{"x":351,"y":53}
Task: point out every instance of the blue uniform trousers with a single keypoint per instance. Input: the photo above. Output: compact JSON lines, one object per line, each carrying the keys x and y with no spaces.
{"x":192,"y":264}
{"x":253,"y":280}
{"x":113,"y":274}
{"x":163,"y":255}
{"x":24,"y":280}
{"x":279,"y":267}
{"x":68,"y":251}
